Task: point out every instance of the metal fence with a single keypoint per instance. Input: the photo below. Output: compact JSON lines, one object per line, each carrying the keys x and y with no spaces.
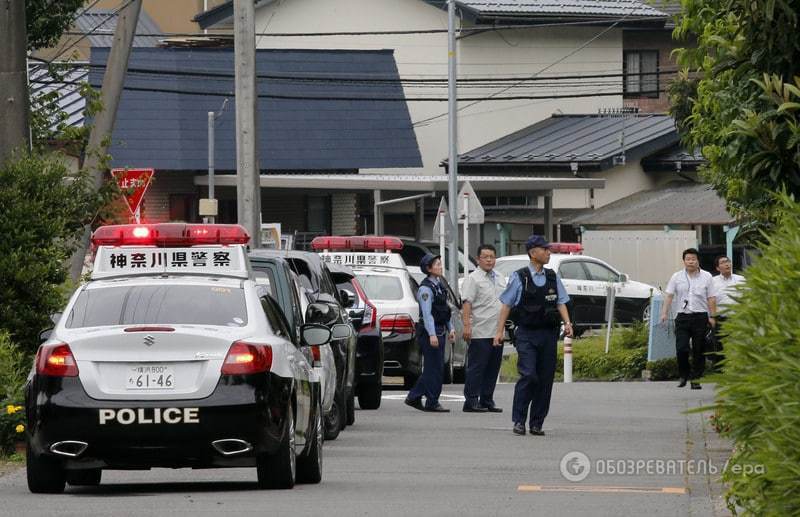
{"x":661,"y":338}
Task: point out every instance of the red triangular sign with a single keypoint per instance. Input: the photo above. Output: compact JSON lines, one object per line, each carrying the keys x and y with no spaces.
{"x":133,"y":183}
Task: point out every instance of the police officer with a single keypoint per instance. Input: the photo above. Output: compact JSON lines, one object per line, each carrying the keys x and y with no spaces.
{"x":539,"y":301}
{"x":433,"y":329}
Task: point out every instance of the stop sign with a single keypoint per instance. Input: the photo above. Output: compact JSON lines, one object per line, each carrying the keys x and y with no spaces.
{"x":133,"y":183}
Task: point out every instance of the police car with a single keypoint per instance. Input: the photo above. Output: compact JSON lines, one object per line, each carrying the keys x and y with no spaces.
{"x":389,"y":285}
{"x":168,"y":357}
{"x":586,"y":279}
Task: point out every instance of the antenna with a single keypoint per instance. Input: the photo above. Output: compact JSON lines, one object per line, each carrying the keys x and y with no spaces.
{"x":622,"y":113}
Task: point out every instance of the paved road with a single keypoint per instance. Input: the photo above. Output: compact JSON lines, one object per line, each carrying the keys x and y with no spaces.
{"x":398,"y":461}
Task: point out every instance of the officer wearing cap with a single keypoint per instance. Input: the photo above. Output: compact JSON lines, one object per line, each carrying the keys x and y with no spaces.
{"x":539,"y":300}
{"x":433,"y":329}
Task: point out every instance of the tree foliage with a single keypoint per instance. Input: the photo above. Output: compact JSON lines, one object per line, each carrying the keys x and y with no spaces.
{"x":46,"y":20}
{"x":43,"y":209}
{"x":737,"y":98}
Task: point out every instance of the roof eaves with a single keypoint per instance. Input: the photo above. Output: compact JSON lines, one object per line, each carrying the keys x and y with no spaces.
{"x":214,"y":15}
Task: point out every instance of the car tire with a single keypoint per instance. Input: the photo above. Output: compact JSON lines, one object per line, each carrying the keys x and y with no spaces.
{"x":279,"y":470}
{"x":87,"y":477}
{"x":309,"y":466}
{"x":45,"y":475}
{"x":369,"y":396}
{"x":333,"y":419}
{"x":351,"y":408}
{"x":459,"y":375}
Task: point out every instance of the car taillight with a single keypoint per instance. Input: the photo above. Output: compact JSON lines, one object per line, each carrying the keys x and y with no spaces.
{"x":316,"y":355}
{"x":245,"y":358}
{"x":56,"y":361}
{"x":369,"y":320}
{"x":397,"y":323}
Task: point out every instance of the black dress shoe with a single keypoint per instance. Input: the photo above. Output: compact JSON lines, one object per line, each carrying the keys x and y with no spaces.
{"x":493,"y":409}
{"x":696,"y":386}
{"x":537,"y":431}
{"x":415,"y":403}
{"x":474,"y":408}
{"x":682,"y":383}
{"x":519,"y":429}
{"x":438,"y":408}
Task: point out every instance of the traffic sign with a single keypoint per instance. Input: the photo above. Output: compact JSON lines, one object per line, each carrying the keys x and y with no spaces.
{"x":474,"y":208}
{"x":442,"y":214}
{"x":133,"y":183}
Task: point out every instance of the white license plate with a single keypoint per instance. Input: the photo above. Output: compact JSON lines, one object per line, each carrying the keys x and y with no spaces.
{"x":151,"y":377}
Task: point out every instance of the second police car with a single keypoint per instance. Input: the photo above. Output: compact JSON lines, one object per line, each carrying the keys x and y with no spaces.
{"x":168,"y":357}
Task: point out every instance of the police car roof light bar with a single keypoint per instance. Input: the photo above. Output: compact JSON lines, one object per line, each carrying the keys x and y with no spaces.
{"x":356,"y":243}
{"x":570,"y":248}
{"x":168,"y":235}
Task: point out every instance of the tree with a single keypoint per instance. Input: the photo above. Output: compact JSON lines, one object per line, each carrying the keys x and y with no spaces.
{"x":737,"y":99}
{"x":47,"y":20}
{"x":43,"y":209}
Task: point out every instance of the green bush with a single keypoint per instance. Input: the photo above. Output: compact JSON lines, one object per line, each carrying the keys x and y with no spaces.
{"x":758,"y":393}
{"x":663,"y":369}
{"x":12,"y":378}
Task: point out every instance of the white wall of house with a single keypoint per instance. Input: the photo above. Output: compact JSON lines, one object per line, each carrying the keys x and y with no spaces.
{"x":518,"y":53}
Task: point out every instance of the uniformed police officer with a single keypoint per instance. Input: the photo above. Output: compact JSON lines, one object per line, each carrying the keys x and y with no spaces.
{"x":539,"y":301}
{"x":433,"y":329}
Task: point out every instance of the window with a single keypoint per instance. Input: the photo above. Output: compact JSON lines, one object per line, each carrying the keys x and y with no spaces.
{"x":277,"y":321}
{"x":507,"y":267}
{"x":640,"y":73}
{"x":161,"y":304}
{"x":601,"y":273}
{"x":318,"y":214}
{"x":381,"y":287}
{"x":183,"y":207}
{"x":572,"y":271}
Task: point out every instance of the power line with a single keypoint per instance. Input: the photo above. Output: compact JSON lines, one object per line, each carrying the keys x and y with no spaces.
{"x":89,"y":33}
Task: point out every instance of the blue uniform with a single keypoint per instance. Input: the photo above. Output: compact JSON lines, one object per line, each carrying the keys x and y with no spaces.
{"x":434,"y":321}
{"x":536,"y":353}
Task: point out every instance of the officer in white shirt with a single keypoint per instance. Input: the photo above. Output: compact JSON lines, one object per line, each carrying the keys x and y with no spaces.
{"x":695,"y":304}
{"x":724,"y":286}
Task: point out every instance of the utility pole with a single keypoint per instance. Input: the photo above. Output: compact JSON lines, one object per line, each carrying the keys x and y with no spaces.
{"x":110,"y":93}
{"x":14,"y":131}
{"x":452,"y":137}
{"x":248,"y":180}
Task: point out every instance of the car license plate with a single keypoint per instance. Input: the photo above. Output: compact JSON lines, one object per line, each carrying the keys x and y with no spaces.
{"x":151,"y":377}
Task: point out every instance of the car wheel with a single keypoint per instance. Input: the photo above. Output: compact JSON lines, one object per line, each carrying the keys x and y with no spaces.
{"x":333,"y":419}
{"x":351,"y":408}
{"x":369,"y":396}
{"x":459,"y":375}
{"x":279,"y":470}
{"x":45,"y":475}
{"x":88,"y":477}
{"x":309,"y":467}
{"x":646,"y":313}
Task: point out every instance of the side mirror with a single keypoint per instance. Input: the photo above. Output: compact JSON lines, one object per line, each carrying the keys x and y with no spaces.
{"x":45,"y":335}
{"x":322,"y":313}
{"x":348,"y":298}
{"x":313,"y":334}
{"x":341,"y":331}
{"x":623,"y":277}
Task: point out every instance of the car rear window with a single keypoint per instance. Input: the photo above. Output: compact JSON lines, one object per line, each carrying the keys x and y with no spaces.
{"x":509,"y":266}
{"x":165,"y":304}
{"x":379,"y":287}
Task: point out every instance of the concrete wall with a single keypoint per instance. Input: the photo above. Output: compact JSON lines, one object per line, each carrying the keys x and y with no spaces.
{"x":517,"y":53}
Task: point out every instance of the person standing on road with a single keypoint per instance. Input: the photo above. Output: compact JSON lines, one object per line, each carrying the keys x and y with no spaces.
{"x":480,"y":296}
{"x":723,"y":286}
{"x":433,"y":329}
{"x":539,"y":300}
{"x":692,"y":288}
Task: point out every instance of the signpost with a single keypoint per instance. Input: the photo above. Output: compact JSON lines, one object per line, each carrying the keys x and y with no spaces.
{"x":472,"y":213}
{"x":442,"y":229}
{"x":133,"y":183}
{"x":611,"y":294}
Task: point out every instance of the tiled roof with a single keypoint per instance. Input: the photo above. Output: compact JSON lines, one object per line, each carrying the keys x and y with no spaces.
{"x":592,"y":141}
{"x":168,"y":130}
{"x":65,"y":81}
{"x":610,"y":8}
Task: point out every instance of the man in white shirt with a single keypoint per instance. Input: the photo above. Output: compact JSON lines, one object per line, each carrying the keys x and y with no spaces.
{"x":695,"y":304}
{"x":724,"y":286}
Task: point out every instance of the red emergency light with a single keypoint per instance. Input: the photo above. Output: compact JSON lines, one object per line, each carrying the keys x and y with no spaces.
{"x":169,"y":235}
{"x":571,"y":248}
{"x":356,"y":243}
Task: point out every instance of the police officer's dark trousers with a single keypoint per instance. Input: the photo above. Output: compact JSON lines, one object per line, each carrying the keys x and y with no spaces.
{"x":536,"y":364}
{"x":691,"y":327}
{"x":430,"y":382}
{"x":483,"y":365}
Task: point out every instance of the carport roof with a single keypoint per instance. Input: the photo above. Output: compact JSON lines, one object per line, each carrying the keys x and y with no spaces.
{"x":591,"y":141}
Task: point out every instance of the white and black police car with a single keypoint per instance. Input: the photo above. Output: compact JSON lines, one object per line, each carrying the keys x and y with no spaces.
{"x":168,"y":357}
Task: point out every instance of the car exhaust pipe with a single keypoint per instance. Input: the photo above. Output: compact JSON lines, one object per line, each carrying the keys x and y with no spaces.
{"x":69,"y":448}
{"x":231,"y":446}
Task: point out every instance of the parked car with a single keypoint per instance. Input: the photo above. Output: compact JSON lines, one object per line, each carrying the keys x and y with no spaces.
{"x":275,"y":278}
{"x":585,"y":279}
{"x":369,"y":348}
{"x":328,"y":308}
